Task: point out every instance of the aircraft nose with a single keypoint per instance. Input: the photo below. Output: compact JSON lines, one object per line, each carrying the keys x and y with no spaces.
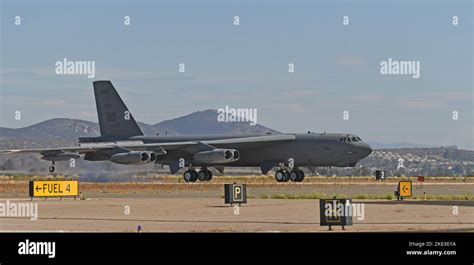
{"x":365,"y":149}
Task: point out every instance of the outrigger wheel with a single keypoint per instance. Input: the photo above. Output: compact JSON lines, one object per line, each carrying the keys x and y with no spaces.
{"x":51,"y":168}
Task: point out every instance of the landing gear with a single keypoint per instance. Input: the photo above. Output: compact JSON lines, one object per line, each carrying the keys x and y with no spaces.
{"x":51,"y":168}
{"x":297,"y":175}
{"x":190,"y":175}
{"x":282,"y":175}
{"x":204,"y":175}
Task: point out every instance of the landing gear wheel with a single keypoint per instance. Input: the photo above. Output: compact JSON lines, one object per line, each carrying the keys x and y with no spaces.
{"x":202,"y":175}
{"x":287,"y":175}
{"x":300,"y":175}
{"x":208,"y":175}
{"x":195,"y":176}
{"x":190,"y":175}
{"x":205,"y":175}
{"x":51,"y":169}
{"x":281,"y":176}
{"x":187,"y":175}
{"x":294,"y":175}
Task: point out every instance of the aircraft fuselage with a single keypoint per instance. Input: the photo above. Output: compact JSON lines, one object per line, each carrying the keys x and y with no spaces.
{"x":310,"y":149}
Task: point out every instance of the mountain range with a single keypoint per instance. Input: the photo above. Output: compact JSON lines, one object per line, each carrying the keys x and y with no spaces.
{"x":200,"y":122}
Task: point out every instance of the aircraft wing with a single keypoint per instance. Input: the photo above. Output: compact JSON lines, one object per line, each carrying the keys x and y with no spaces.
{"x":190,"y":146}
{"x":197,"y":146}
{"x":100,"y":146}
{"x":233,"y":142}
{"x":252,"y":140}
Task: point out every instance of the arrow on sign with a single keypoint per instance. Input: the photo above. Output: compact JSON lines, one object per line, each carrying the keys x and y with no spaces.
{"x":37,"y":187}
{"x":404,"y":188}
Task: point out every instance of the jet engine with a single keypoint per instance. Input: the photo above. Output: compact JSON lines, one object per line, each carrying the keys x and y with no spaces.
{"x":217,"y":156}
{"x":133,"y":157}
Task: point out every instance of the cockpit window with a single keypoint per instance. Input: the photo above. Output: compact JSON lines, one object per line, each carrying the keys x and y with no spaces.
{"x":350,"y":138}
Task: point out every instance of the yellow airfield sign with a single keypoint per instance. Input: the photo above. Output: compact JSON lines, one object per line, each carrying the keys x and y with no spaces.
{"x":54,"y":188}
{"x":404,"y":187}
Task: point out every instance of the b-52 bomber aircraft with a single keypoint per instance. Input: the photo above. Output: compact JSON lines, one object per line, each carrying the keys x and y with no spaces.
{"x":122,"y":141}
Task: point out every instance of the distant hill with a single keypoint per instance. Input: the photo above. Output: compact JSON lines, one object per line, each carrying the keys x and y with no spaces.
{"x":378,"y":145}
{"x":54,"y":128}
{"x":440,"y":153}
{"x":201,"y":122}
{"x":205,"y":122}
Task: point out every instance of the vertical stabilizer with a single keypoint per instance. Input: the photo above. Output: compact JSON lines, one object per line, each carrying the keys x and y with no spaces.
{"x":114,"y":117}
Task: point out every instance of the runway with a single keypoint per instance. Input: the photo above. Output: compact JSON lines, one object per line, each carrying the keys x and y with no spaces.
{"x":212,"y":215}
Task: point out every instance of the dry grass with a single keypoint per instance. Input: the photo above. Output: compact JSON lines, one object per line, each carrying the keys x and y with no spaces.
{"x":320,"y":195}
{"x":387,"y":196}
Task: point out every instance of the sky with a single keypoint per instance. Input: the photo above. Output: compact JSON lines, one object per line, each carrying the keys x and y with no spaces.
{"x":337,"y":67}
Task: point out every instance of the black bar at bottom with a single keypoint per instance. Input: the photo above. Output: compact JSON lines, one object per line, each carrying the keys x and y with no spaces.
{"x":117,"y":245}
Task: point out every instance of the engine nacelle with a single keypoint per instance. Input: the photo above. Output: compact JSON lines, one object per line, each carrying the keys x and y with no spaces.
{"x":218,"y":156}
{"x":133,"y":157}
